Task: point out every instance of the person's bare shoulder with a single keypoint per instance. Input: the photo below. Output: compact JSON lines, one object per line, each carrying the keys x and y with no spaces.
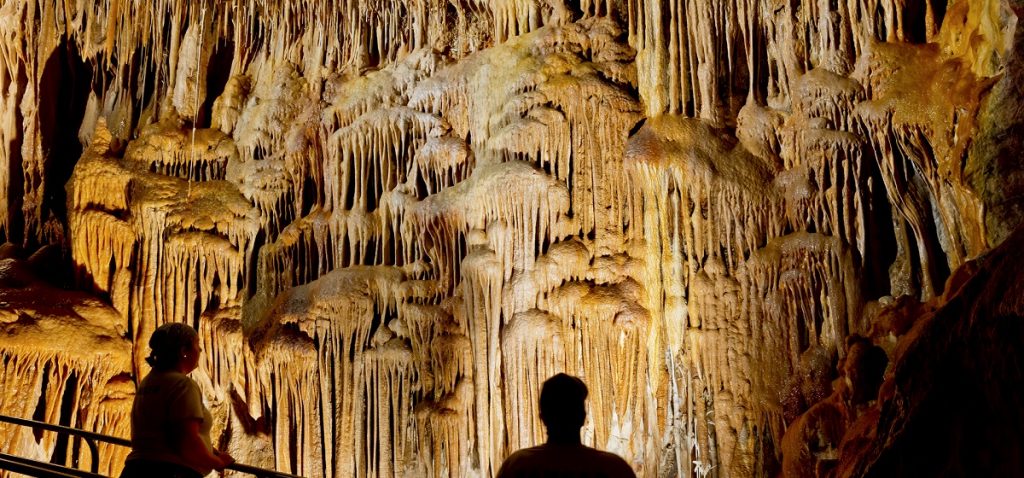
{"x":616,"y":466}
{"x":516,"y":462}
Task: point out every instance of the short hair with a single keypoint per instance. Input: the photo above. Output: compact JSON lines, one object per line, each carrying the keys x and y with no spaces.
{"x":167,"y":343}
{"x":561,"y":402}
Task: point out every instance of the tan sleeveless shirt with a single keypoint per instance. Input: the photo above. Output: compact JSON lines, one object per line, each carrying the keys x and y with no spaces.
{"x":165,"y":400}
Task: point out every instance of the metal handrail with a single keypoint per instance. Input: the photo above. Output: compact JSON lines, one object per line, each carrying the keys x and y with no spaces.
{"x":28,"y":466}
{"x":91,"y":438}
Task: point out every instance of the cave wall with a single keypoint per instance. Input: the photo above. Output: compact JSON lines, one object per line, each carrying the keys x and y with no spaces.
{"x":392,"y":220}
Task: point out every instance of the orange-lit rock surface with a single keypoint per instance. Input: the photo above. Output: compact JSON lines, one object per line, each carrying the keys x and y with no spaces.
{"x":65,"y":359}
{"x":390,"y":221}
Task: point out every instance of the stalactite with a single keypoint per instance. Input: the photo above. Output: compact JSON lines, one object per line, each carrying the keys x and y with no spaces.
{"x":106,"y":255}
{"x":499,"y":195}
{"x":378,"y":149}
{"x":12,"y":86}
{"x":389,"y":384}
{"x":531,"y":345}
{"x":334,"y":320}
{"x":170,"y":151}
{"x":919,"y":145}
{"x":726,"y":207}
{"x":446,"y":434}
{"x":481,"y":292}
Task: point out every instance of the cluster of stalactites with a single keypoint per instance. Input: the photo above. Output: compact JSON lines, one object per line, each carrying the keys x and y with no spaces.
{"x":718,"y":214}
{"x":105,"y":248}
{"x":604,"y":326}
{"x":155,"y":63}
{"x":57,"y":387}
{"x":318,"y":243}
{"x":827,"y":173}
{"x":590,"y":313}
{"x":718,"y":203}
{"x":561,"y":315}
{"x":160,"y":247}
{"x":521,"y":206}
{"x":361,"y":370}
{"x":571,"y":121}
{"x":704,"y":59}
{"x":168,"y":150}
{"x":439,"y":238}
{"x":102,"y":242}
{"x":374,"y":155}
{"x":920,"y":133}
{"x":373,"y":162}
{"x":479,"y":224}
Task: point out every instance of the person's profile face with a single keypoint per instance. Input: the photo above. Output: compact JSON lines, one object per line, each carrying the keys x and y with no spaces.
{"x":190,"y":356}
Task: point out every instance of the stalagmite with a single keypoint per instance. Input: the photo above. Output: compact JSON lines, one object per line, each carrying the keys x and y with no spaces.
{"x":391,"y":221}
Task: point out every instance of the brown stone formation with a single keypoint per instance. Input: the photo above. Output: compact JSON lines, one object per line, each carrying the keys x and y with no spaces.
{"x":775,"y":237}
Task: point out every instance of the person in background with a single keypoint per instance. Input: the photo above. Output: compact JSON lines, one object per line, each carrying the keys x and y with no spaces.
{"x":564,"y":456}
{"x":170,"y":424}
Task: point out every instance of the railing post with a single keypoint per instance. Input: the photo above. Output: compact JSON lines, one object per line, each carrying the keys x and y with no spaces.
{"x":95,"y":452}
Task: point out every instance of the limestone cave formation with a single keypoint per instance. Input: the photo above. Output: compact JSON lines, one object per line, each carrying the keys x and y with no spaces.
{"x":774,"y":237}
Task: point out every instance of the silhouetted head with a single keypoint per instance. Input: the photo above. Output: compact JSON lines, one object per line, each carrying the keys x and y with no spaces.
{"x":561,"y":406}
{"x":174,"y":346}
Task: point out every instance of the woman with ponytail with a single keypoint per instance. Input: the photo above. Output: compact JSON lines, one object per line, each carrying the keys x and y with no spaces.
{"x":170,"y":424}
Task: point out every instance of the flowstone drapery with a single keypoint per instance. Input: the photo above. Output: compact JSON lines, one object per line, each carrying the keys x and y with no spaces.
{"x":391,"y":221}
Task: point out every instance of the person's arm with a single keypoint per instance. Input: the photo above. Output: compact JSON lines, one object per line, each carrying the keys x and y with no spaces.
{"x":223,"y":455}
{"x":194,"y":451}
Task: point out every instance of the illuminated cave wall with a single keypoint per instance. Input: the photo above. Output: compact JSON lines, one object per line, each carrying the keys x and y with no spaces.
{"x":391,"y":220}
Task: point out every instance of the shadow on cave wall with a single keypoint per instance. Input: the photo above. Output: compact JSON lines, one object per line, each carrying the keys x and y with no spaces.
{"x":218,"y":72}
{"x":14,"y":232}
{"x":64,"y":89}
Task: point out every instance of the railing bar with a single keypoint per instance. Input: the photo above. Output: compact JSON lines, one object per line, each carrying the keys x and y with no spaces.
{"x":68,"y":430}
{"x":95,"y":452}
{"x":20,"y":465}
{"x":252,"y":470}
{"x":31,"y":470}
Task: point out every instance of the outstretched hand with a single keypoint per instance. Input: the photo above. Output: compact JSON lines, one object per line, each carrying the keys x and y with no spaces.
{"x":225,"y":459}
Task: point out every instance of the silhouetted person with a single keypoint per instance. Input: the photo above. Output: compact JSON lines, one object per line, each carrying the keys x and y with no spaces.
{"x":170,"y":424}
{"x":564,"y":456}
